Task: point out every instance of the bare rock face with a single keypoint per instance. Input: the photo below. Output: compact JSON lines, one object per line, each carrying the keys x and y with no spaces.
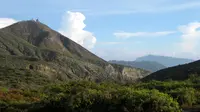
{"x":125,"y":74}
{"x":133,"y":73}
{"x":110,"y":70}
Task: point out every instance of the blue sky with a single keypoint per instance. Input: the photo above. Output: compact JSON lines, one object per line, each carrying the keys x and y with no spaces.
{"x":117,"y":29}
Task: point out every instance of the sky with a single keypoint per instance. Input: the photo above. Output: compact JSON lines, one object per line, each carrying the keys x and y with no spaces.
{"x":117,"y":29}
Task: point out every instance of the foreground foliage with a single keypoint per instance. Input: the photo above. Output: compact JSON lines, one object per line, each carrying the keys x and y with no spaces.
{"x":186,"y":92}
{"x":87,"y":97}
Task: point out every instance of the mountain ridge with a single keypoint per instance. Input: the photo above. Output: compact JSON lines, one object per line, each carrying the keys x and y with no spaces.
{"x":40,"y":35}
{"x":33,"y":46}
{"x":165,"y":60}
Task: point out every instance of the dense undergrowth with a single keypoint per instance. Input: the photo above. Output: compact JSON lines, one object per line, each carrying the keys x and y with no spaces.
{"x":85,"y":96}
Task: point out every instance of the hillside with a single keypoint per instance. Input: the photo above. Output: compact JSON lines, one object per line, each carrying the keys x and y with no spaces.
{"x":180,"y":72}
{"x":30,"y":46}
{"x":164,"y":60}
{"x":146,"y":65}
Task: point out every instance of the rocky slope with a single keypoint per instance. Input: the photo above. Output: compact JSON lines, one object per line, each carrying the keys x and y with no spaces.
{"x":146,"y":65}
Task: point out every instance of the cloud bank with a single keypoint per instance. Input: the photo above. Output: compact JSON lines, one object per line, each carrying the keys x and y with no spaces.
{"x":4,"y":22}
{"x":72,"y":26}
{"x":141,"y":34}
{"x":190,"y":37}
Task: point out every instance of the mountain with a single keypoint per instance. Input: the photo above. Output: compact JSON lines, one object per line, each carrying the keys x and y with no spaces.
{"x":146,"y":65}
{"x":30,"y":48}
{"x":164,"y":60}
{"x":180,"y":72}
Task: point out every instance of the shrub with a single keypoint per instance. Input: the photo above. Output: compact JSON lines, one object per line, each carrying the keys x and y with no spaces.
{"x":185,"y":96}
{"x":101,"y":98}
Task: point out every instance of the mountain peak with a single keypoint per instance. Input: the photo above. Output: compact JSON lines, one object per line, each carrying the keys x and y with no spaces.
{"x":36,"y":33}
{"x":40,"y":36}
{"x":28,"y":26}
{"x":30,"y":22}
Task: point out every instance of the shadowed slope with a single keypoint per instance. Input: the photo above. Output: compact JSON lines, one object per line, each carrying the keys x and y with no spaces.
{"x":180,"y":72}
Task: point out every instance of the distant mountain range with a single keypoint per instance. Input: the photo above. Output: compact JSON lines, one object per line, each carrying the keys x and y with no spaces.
{"x":153,"y":63}
{"x":164,"y":60}
{"x":146,"y":65}
{"x":180,"y":72}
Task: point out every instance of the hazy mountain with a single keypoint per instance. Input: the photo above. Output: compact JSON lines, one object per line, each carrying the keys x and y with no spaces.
{"x":146,"y":65}
{"x":164,"y":60}
{"x":180,"y":72}
{"x":31,"y":48}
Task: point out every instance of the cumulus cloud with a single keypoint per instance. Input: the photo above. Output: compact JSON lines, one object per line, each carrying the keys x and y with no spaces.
{"x":186,"y":47}
{"x":73,"y":25}
{"x":190,"y":37}
{"x":141,"y":34}
{"x":4,"y":22}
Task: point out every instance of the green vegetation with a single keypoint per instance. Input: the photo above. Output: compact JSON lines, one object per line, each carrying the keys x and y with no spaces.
{"x":18,"y":78}
{"x":187,"y":92}
{"x":86,"y":96}
{"x":23,"y":90}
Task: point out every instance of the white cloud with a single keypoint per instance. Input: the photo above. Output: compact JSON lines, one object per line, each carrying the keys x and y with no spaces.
{"x":142,"y":34}
{"x":187,"y":47}
{"x":4,"y":22}
{"x":190,"y":37}
{"x":73,"y":25}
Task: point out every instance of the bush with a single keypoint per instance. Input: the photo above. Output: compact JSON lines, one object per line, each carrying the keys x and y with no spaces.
{"x":185,"y":96}
{"x":85,"y":96}
{"x":101,"y":98}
